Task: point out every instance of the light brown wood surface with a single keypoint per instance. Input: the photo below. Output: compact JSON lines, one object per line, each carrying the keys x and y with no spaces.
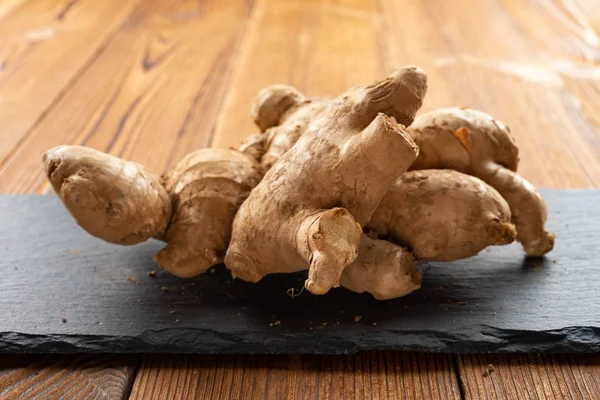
{"x":383,"y":375}
{"x":150,"y":80}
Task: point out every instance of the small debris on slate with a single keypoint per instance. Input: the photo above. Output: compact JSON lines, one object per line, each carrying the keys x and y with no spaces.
{"x":324,"y":324}
{"x":277,"y":323}
{"x":490,"y":368}
{"x":212,"y":270}
{"x":292,"y":292}
{"x":64,"y":320}
{"x":131,"y":279}
{"x":172,"y":311}
{"x":151,"y":274}
{"x":164,"y":288}
{"x":74,"y":251}
{"x":374,"y":323}
{"x":492,"y":313}
{"x":357,"y":318}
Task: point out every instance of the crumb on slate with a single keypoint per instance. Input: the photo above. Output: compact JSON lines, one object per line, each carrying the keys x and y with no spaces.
{"x":131,"y":279}
{"x":489,"y":369}
{"x":172,"y":311}
{"x":212,"y":270}
{"x":277,"y":323}
{"x":64,"y":320}
{"x":492,"y":313}
{"x":324,"y":324}
{"x":151,"y":274}
{"x":374,"y":323}
{"x":164,"y":288}
{"x":357,"y":318}
{"x":75,"y":251}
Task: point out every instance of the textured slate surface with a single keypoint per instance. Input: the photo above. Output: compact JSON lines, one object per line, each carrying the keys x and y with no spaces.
{"x":497,"y":301}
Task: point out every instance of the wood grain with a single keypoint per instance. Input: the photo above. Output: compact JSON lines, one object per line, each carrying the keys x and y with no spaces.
{"x":72,"y":377}
{"x":379,"y":375}
{"x":529,"y":376}
{"x":320,"y":47}
{"x":497,"y":65}
{"x":154,"y":91}
{"x":44,"y":45}
{"x":150,"y":96}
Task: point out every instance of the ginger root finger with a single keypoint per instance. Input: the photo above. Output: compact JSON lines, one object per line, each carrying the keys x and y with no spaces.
{"x":472,"y":142}
{"x":207,"y":188}
{"x":529,"y":216}
{"x":283,"y":114}
{"x":347,"y":157}
{"x":115,"y":200}
{"x":383,"y":269}
{"x":443,"y":215}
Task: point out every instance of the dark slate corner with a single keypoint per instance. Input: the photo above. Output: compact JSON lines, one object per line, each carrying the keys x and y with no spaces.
{"x":497,"y":302}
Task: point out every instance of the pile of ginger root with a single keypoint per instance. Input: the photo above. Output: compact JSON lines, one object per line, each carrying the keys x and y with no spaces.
{"x":356,"y":189}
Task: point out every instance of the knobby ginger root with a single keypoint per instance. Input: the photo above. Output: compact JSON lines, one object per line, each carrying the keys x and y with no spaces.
{"x":207,"y":188}
{"x":191,"y":208}
{"x":472,"y":142}
{"x":307,"y":211}
{"x":115,"y":200}
{"x":283,"y":114}
{"x":443,"y":215}
{"x":383,"y":269}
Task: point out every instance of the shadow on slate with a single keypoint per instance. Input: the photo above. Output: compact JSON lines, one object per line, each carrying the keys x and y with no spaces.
{"x":496,"y":302}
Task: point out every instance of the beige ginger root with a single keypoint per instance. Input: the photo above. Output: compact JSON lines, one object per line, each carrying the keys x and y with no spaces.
{"x":472,"y":142}
{"x":443,"y":215}
{"x":207,"y":188}
{"x":382,"y":268}
{"x":307,"y":211}
{"x":115,"y":200}
{"x":283,"y":114}
{"x":192,"y":207}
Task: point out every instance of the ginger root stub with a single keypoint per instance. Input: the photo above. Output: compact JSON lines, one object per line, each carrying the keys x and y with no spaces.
{"x":307,"y":211}
{"x":474,"y":143}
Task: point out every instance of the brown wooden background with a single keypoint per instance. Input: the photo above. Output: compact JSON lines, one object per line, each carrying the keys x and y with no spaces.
{"x":151,"y":80}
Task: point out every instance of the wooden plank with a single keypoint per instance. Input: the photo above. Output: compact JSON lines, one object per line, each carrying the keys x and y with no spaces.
{"x":151,"y":95}
{"x":387,"y":376}
{"x":497,"y":301}
{"x":529,"y":376}
{"x":322,"y":47}
{"x":44,"y":45}
{"x":73,"y":377}
{"x":497,"y":65}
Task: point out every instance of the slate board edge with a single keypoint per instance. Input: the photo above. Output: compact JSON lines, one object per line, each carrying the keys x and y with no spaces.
{"x":489,"y":339}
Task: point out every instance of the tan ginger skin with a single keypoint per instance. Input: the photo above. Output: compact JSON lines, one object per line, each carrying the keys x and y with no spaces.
{"x":385,"y":270}
{"x":443,"y":215}
{"x":472,"y":142}
{"x":191,"y":207}
{"x":308,"y":210}
{"x":462,"y":139}
{"x":204,"y":189}
{"x":120,"y":202}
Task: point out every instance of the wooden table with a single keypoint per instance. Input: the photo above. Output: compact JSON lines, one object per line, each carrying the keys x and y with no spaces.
{"x":150,"y":80}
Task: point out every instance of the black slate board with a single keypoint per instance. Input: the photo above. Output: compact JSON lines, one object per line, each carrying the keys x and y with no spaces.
{"x":496,"y":302}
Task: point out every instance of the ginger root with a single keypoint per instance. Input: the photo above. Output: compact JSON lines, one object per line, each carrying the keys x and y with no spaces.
{"x":385,"y":270}
{"x":443,"y":215}
{"x":472,"y":142}
{"x":307,"y":211}
{"x":296,"y":195}
{"x":115,"y":200}
{"x":191,"y":207}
